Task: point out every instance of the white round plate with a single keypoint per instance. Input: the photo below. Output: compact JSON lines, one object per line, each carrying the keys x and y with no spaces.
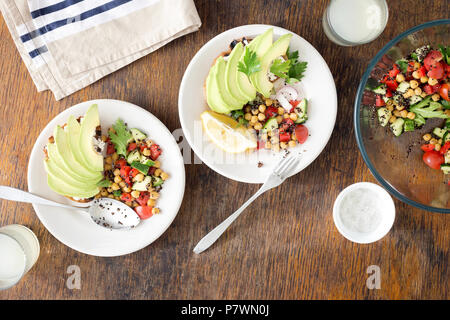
{"x":75,"y":229}
{"x":317,"y":86}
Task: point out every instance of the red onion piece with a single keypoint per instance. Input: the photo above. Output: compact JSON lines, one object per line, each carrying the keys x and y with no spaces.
{"x":286,"y":94}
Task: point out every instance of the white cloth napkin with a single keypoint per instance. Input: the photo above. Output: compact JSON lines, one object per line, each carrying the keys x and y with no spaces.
{"x":69,"y":44}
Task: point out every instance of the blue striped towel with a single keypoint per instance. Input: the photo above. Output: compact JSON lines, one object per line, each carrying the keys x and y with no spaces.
{"x":69,"y":44}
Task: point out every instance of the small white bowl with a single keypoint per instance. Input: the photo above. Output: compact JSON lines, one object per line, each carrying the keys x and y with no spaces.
{"x":386,"y":219}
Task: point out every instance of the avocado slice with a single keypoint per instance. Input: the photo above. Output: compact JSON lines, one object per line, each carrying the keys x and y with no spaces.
{"x":260,"y":45}
{"x":52,"y":168}
{"x":231,"y":74}
{"x":89,"y":124}
{"x":60,"y":186}
{"x":63,"y":149}
{"x":260,"y":79}
{"x":73,"y":134}
{"x":58,"y":161}
{"x":232,"y":103}
{"x":213,"y":96}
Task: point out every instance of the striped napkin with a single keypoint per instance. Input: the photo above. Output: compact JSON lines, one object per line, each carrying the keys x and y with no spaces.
{"x":68,"y":44}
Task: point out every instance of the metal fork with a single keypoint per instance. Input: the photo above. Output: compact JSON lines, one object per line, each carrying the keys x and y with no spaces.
{"x":277,"y":177}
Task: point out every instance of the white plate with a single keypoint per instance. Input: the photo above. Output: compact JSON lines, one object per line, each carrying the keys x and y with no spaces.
{"x":75,"y":229}
{"x":317,"y":86}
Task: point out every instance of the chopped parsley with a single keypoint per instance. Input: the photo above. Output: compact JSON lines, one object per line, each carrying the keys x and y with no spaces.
{"x":120,"y":137}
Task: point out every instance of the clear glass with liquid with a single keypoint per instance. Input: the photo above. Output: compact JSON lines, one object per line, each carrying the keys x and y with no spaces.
{"x":19,"y":250}
{"x":355,"y":22}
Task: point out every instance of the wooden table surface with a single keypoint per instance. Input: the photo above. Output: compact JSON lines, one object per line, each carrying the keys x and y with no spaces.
{"x":286,"y":245}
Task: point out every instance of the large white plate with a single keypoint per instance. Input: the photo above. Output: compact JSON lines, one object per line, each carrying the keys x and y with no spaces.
{"x":75,"y":229}
{"x":317,"y":86}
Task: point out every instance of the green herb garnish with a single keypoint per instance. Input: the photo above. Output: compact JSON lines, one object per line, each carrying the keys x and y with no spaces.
{"x":445,"y":53}
{"x":280,"y":68}
{"x":104,"y":183}
{"x":445,"y":104}
{"x":120,"y":137}
{"x":297,"y":68}
{"x":117,"y":193}
{"x":428,"y":109}
{"x":250,"y":63}
{"x":235,"y":114}
{"x":403,"y":65}
{"x":140,"y":166}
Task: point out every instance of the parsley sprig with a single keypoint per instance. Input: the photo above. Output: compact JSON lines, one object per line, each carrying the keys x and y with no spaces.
{"x":291,"y":70}
{"x":250,"y":63}
{"x":120,"y":137}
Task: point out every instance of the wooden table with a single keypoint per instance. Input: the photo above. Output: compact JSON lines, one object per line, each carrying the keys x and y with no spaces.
{"x":286,"y":245}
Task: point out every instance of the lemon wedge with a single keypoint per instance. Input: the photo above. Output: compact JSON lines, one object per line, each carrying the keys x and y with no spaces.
{"x":227,"y":133}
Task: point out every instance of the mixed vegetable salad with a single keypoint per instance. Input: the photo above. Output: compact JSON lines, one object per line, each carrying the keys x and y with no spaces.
{"x":255,"y":84}
{"x":133,"y":173}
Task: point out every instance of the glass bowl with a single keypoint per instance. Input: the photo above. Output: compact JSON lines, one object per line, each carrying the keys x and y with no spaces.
{"x":396,"y":162}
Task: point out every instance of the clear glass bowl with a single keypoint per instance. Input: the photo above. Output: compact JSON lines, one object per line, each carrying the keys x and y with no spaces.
{"x":396,"y":162}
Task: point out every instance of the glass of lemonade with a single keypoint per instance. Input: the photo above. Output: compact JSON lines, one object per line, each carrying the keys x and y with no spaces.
{"x":355,"y":22}
{"x":19,"y":250}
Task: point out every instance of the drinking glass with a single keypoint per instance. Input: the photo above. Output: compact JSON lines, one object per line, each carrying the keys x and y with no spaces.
{"x":19,"y":250}
{"x":354,"y":22}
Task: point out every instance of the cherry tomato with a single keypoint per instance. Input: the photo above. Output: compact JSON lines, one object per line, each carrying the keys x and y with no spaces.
{"x":427,"y":147}
{"x":444,"y":91}
{"x":433,"y":159}
{"x":379,"y":102}
{"x":436,"y":71}
{"x":132,"y":146}
{"x":155,"y":151}
{"x":432,"y":58}
{"x":422,"y":71}
{"x":301,"y":133}
{"x":270,"y":112}
{"x":284,"y":136}
{"x":431,"y":89}
{"x":144,"y":212}
{"x":392,"y":85}
{"x":394,"y":71}
{"x":389,"y":93}
{"x":125,"y":197}
{"x":143,"y":198}
{"x":286,"y":123}
{"x":125,"y":171}
{"x":445,"y":148}
{"x":142,"y":147}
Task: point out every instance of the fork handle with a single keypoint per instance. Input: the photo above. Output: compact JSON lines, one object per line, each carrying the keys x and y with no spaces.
{"x":215,"y":234}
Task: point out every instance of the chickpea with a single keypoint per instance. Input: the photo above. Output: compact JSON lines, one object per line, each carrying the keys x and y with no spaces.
{"x":157,"y":172}
{"x":155,"y":210}
{"x":279,"y":119}
{"x":115,"y":156}
{"x":154,"y":195}
{"x":404,"y":113}
{"x":416,"y":75}
{"x":408,"y":93}
{"x":126,"y":189}
{"x":424,"y":79}
{"x":397,"y":113}
{"x":286,"y":116}
{"x":423,"y":94}
{"x":139,"y":177}
{"x":255,"y":112}
{"x":117,"y":179}
{"x":433,"y":141}
{"x":135,"y":194}
{"x":116,"y":172}
{"x":269,"y":102}
{"x":157,"y":164}
{"x":417,"y":91}
{"x":248,"y":116}
{"x":400,"y":77}
{"x":151,"y":202}
{"x":254,"y":120}
{"x":122,"y":184}
{"x":104,"y":193}
{"x":110,"y":190}
{"x":149,"y":143}
{"x":262,"y":108}
{"x":283,"y":145}
{"x":440,"y":141}
{"x":107,"y":167}
{"x":164,"y":176}
{"x":432,"y":81}
{"x":411,"y":115}
{"x":413,"y":84}
{"x":437,"y":147}
{"x":427,"y":137}
{"x":115,"y":187}
{"x":293,"y":116}
{"x":109,"y":160}
{"x":390,"y":107}
{"x":258,"y":126}
{"x":129,"y":203}
{"x":111,"y":196}
{"x":146,"y":152}
{"x":261,"y":117}
{"x":280,"y":110}
{"x":416,"y":65}
{"x":436,"y":97}
{"x":399,"y":107}
{"x":392,"y":119}
{"x":292,"y":143}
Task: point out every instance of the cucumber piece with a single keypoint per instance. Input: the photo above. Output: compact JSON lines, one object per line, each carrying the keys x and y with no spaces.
{"x":445,"y":168}
{"x":157,"y":181}
{"x":381,"y":89}
{"x":409,"y":125}
{"x":403,"y":86}
{"x":446,"y":136}
{"x":397,"y":126}
{"x":134,"y":155}
{"x":147,"y":161}
{"x":447,"y":124}
{"x":138,"y":135}
{"x":302,"y":111}
{"x":447,"y":157}
{"x":414,"y":99}
{"x":143,"y":185}
{"x":271,"y":124}
{"x":383,"y":116}
{"x":438,"y":132}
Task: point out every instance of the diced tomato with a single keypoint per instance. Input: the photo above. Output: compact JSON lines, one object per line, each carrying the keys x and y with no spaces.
{"x":143,"y":198}
{"x":134,"y":172}
{"x":128,"y":181}
{"x":443,"y":91}
{"x":410,"y":67}
{"x":271,"y":112}
{"x":125,"y":197}
{"x":293,"y":103}
{"x":432,"y":58}
{"x":155,"y":151}
{"x":284,"y":136}
{"x":110,"y":148}
{"x":286,"y":123}
{"x":151,"y":171}
{"x":132,"y":146}
{"x":445,"y":148}
{"x":379,"y":102}
{"x":422,"y":71}
{"x":389,"y":93}
{"x":394,"y":71}
{"x":120,"y":163}
{"x":125,"y":171}
{"x":260,"y":144}
{"x":427,"y":89}
{"x":301,"y":133}
{"x":391,"y":84}
{"x":427,"y":147}
{"x":433,"y":159}
{"x":142,"y":147}
{"x":436,"y":71}
{"x":144,"y":212}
